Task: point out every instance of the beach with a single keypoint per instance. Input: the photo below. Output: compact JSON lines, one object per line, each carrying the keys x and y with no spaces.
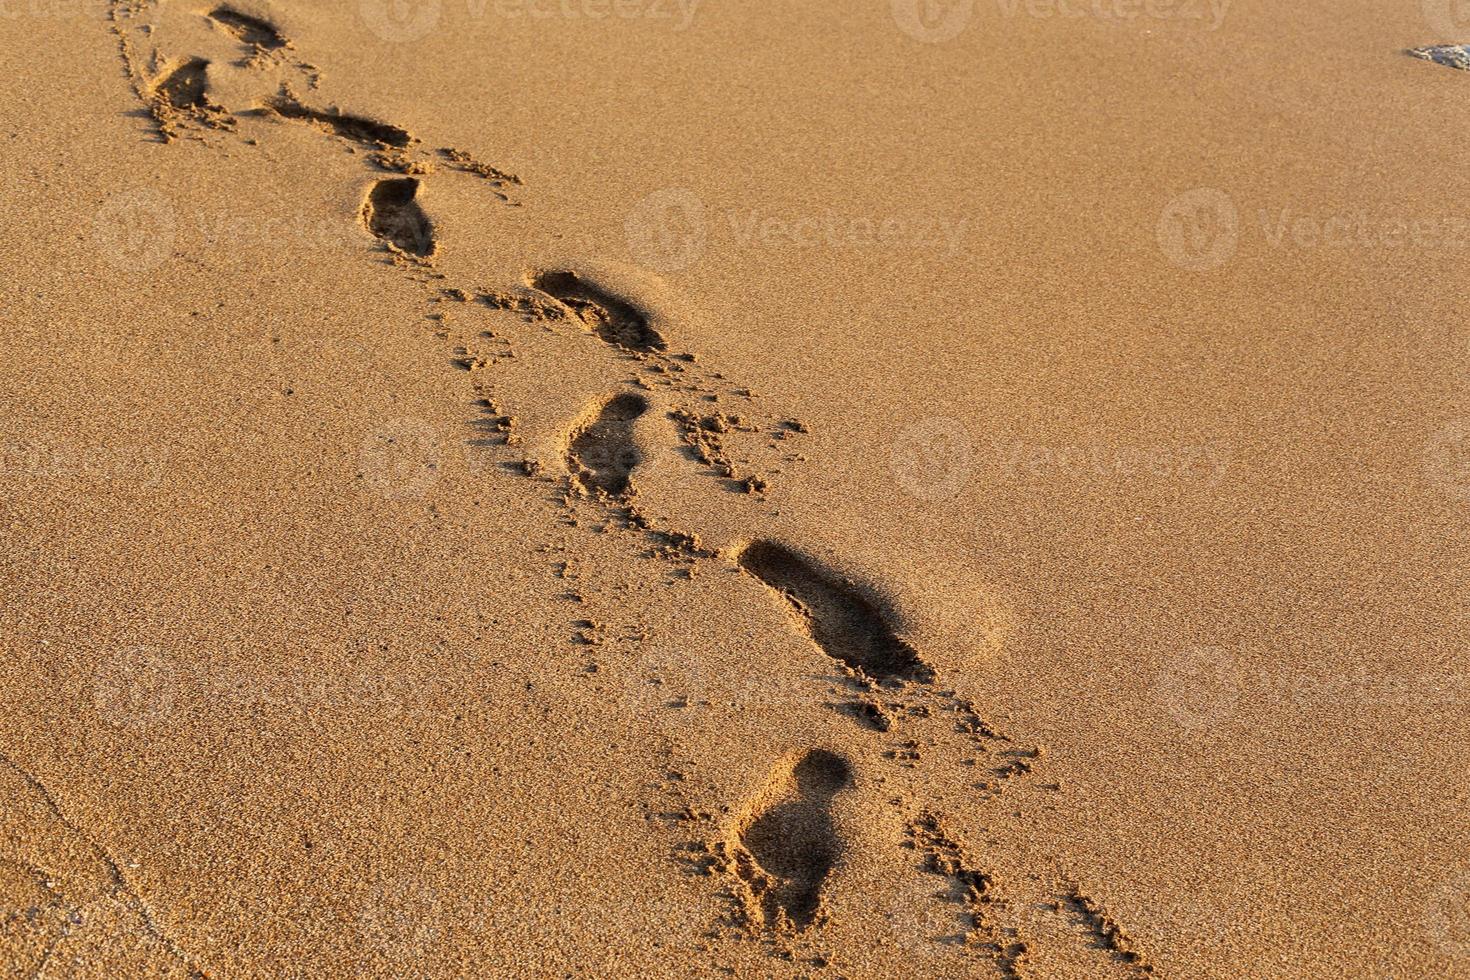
{"x":667,"y":489}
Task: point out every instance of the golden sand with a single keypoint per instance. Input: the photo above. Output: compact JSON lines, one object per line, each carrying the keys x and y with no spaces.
{"x":505,"y":488}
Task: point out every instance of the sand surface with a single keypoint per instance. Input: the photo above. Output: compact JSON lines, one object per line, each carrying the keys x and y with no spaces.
{"x":497,"y":489}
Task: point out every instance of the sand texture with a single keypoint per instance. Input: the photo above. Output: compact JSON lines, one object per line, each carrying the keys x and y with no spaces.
{"x":658,"y":488}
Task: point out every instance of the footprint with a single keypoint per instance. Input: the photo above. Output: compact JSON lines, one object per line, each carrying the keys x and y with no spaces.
{"x":391,"y":213}
{"x":601,"y":454}
{"x":358,"y":129}
{"x":612,"y":319}
{"x":249,"y":30}
{"x":838,"y":619}
{"x":186,"y":87}
{"x":787,"y":844}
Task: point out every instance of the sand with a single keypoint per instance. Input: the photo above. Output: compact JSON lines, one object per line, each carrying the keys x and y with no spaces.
{"x":674,"y":489}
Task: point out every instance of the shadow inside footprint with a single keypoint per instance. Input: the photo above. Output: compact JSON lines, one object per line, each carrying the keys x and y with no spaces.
{"x":601,"y":454}
{"x":837,"y":617}
{"x":615,"y":321}
{"x":187,"y":86}
{"x":391,"y":213}
{"x":357,"y":129}
{"x":247,"y":29}
{"x":790,"y":842}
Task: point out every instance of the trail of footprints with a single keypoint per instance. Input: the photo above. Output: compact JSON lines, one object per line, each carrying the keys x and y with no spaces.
{"x":1449,"y":55}
{"x":184,"y":87}
{"x":616,"y":322}
{"x":779,"y":850}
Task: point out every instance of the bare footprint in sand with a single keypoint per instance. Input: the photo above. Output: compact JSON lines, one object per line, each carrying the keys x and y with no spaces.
{"x":246,"y":29}
{"x":186,"y":86}
{"x":355,"y":129}
{"x":393,"y":215}
{"x":844,"y":624}
{"x":601,"y":453}
{"x":786,"y":843}
{"x":616,"y":321}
